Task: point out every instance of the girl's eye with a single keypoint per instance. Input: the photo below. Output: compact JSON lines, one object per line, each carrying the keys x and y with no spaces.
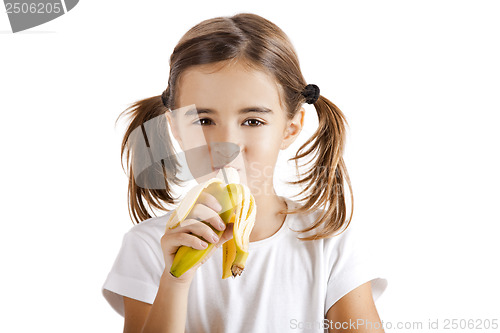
{"x":256,"y":122}
{"x":260,"y":123}
{"x":200,"y":120}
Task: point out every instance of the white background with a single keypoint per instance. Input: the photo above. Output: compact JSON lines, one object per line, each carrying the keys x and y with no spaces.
{"x":418,"y":81}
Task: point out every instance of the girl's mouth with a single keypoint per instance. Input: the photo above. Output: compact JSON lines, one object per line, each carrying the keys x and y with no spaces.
{"x":226,"y":166}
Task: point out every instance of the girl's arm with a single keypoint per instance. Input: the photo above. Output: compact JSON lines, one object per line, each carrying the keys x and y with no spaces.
{"x":169,"y":309}
{"x":355,"y":312}
{"x":166,"y":314}
{"x":136,"y":313}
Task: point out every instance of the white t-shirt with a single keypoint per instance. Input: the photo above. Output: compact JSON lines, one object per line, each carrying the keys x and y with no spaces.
{"x":287,"y":285}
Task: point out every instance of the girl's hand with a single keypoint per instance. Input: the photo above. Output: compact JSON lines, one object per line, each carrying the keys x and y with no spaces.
{"x":205,"y":209}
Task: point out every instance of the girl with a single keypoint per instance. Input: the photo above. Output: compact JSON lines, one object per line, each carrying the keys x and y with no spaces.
{"x":237,"y":80}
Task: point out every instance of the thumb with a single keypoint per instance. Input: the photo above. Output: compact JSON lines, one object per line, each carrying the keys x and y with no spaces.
{"x":226,"y":235}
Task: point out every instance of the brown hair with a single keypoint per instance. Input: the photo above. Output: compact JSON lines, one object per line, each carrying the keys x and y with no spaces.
{"x":261,"y":44}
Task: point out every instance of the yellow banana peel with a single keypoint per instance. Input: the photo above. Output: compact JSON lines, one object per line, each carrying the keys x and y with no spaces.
{"x":238,"y":207}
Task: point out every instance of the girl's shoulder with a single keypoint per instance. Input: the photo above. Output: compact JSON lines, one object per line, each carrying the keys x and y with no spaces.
{"x":301,"y":221}
{"x":150,"y":230}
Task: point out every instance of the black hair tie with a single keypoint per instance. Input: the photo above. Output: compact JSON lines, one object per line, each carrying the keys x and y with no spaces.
{"x":164,"y":98}
{"x":311,"y":93}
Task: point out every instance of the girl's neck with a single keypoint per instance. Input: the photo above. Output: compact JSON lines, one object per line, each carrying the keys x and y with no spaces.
{"x":268,"y":220}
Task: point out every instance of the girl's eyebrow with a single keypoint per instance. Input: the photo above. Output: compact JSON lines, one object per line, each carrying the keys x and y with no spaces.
{"x":257,"y":109}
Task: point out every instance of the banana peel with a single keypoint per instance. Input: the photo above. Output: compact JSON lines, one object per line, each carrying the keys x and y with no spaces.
{"x":238,"y":207}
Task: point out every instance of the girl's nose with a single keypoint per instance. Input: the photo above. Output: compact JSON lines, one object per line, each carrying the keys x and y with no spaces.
{"x":226,"y":144}
{"x":223,"y":153}
{"x":228,"y":134}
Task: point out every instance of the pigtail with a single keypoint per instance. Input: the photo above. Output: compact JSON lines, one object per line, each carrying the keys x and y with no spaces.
{"x":147,"y":135}
{"x":325,"y":180}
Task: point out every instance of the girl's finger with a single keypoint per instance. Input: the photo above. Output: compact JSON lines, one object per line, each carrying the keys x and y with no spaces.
{"x":210,"y":201}
{"x":174,"y":241}
{"x":185,"y":223}
{"x":198,"y":228}
{"x":204,"y":213}
{"x":226,"y":235}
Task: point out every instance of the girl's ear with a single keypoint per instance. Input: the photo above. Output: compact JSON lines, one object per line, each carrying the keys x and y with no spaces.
{"x":293,"y":129}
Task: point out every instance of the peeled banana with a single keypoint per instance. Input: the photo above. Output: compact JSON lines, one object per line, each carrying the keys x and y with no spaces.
{"x":238,"y":207}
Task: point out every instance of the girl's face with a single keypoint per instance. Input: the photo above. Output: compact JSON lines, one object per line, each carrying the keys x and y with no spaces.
{"x":237,"y":117}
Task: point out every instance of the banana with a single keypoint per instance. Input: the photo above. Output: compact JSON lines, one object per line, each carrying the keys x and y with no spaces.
{"x":238,"y":207}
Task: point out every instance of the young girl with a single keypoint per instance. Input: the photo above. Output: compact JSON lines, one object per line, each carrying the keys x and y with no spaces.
{"x":237,"y":80}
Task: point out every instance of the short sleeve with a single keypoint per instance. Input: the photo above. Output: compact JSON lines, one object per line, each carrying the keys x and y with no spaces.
{"x":351,"y":265}
{"x":135,"y":273}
